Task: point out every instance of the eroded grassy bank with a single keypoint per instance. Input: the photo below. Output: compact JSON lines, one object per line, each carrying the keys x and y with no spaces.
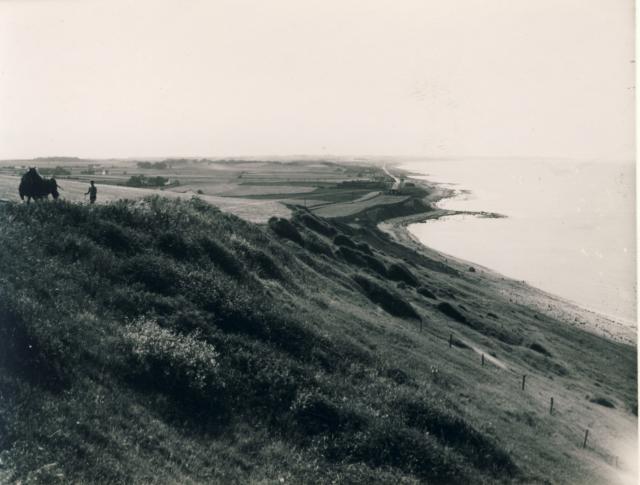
{"x":164,"y":341}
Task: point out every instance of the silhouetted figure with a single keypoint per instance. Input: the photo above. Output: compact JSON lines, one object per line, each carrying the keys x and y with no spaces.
{"x":33,"y":186}
{"x":92,"y":192}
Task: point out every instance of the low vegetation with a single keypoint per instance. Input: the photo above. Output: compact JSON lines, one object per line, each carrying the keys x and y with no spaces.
{"x":164,"y":341}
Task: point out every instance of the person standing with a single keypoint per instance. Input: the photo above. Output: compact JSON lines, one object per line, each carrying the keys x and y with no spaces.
{"x":92,"y":193}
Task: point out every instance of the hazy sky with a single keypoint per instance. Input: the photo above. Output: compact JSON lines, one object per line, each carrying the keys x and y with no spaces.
{"x":432,"y":77}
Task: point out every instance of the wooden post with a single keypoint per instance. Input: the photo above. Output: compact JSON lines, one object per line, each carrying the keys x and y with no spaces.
{"x":551,"y":407}
{"x":483,"y":360}
{"x":523,"y":381}
{"x":586,"y":435}
{"x":450,"y":340}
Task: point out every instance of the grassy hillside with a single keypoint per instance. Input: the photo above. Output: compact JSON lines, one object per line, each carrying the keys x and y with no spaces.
{"x":163,"y":341}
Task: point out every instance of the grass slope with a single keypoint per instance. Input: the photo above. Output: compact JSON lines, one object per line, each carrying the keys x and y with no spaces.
{"x":163,"y":341}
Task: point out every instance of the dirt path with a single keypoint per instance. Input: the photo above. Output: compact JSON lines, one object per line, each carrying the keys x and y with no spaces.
{"x":396,"y":180}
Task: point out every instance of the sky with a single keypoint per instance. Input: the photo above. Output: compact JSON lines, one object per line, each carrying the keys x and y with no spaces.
{"x":440,"y":78}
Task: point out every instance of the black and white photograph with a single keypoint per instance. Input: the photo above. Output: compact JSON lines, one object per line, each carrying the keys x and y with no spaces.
{"x":318,"y":242}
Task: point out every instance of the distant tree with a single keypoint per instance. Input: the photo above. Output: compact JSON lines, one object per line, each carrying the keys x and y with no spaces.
{"x":153,"y":165}
{"x":144,"y":181}
{"x":55,"y":172}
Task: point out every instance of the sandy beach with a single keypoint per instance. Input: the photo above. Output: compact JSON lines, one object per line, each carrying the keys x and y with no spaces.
{"x":517,"y":291}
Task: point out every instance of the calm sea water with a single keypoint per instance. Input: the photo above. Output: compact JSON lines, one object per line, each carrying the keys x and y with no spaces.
{"x":569,"y":230}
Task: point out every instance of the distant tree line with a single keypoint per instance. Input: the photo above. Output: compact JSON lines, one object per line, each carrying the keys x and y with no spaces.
{"x":169,"y":163}
{"x":153,"y":165}
{"x":55,"y":172}
{"x":144,"y":181}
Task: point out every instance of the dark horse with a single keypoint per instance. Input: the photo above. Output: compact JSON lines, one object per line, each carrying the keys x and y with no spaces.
{"x":33,"y":186}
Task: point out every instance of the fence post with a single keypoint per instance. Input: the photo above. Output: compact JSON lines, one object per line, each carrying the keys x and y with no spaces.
{"x":523,"y":381}
{"x":586,"y":435}
{"x":483,"y":360}
{"x":551,"y":407}
{"x":450,"y":340}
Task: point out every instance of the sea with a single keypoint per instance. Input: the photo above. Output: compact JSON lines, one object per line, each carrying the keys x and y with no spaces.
{"x":569,"y":227}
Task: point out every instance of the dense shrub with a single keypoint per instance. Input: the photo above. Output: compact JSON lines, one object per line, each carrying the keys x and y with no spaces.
{"x":175,"y":244}
{"x":454,"y":431}
{"x":375,"y":265}
{"x":260,"y":381}
{"x":424,"y":291}
{"x":315,"y":414}
{"x":398,"y":376}
{"x":144,"y":181}
{"x":318,"y":225}
{"x":173,"y":363}
{"x":264,"y":264}
{"x":361,"y":260}
{"x":154,"y":273}
{"x":284,"y":228}
{"x":390,"y":302}
{"x":222,"y":257}
{"x":73,"y":247}
{"x":342,"y":240}
{"x":449,"y":310}
{"x":386,"y":443}
{"x":131,"y":302}
{"x":456,"y":342}
{"x":542,"y":363}
{"x":365,"y":248}
{"x":186,"y":320}
{"x":351,"y":256}
{"x":399,"y":272}
{"x":315,"y":244}
{"x":540,"y":349}
{"x":602,"y":401}
{"x":112,"y":235}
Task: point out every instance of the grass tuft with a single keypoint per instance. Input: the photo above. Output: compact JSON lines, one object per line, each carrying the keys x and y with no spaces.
{"x":399,"y":272}
{"x":284,"y":228}
{"x":390,"y":302}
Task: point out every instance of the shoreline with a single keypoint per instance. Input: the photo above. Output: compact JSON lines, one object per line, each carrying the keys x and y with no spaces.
{"x":392,"y":218}
{"x":570,"y":312}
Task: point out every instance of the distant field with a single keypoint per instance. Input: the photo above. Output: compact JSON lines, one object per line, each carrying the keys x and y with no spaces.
{"x":251,"y":210}
{"x":351,"y":208}
{"x":254,"y":190}
{"x":237,"y":190}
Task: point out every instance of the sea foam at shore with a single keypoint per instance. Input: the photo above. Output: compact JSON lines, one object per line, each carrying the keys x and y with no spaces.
{"x":569,"y":230}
